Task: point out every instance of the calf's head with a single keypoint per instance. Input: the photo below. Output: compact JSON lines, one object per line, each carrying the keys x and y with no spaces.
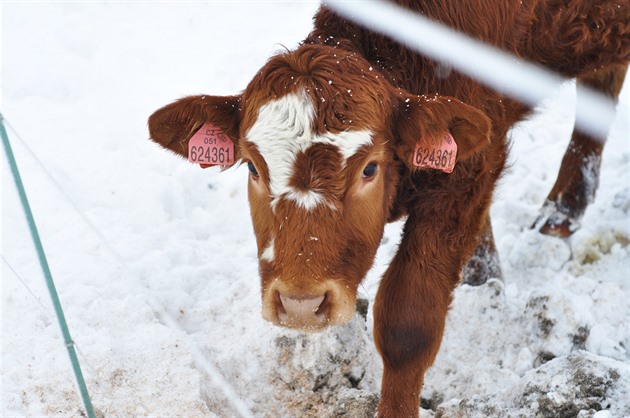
{"x":326,"y":140}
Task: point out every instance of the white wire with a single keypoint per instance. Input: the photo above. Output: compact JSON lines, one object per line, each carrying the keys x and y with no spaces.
{"x":45,"y":310}
{"x":523,"y":81}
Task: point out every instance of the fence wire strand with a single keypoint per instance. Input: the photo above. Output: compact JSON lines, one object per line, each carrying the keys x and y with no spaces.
{"x":26,"y":286}
{"x":524,"y":81}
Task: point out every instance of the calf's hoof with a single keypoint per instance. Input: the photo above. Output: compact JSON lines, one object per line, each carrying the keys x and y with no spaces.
{"x":483,"y":265}
{"x":556,"y":220}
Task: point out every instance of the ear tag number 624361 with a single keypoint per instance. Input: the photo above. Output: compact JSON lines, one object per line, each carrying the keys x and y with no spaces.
{"x":210,"y":146}
{"x":437,"y":154}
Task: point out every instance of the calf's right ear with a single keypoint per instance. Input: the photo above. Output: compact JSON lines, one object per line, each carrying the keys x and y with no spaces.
{"x":436,"y":132}
{"x":175,"y":124}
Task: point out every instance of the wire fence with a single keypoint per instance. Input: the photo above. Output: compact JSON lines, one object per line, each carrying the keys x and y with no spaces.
{"x":202,"y":363}
{"x":41,"y":255}
{"x":510,"y":75}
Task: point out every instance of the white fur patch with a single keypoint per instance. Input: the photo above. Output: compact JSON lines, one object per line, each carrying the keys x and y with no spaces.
{"x":282,"y":131}
{"x":308,"y":199}
{"x":269,"y":252}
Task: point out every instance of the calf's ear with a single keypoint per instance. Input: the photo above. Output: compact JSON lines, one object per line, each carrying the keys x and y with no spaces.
{"x":217,"y":117}
{"x":435,"y":132}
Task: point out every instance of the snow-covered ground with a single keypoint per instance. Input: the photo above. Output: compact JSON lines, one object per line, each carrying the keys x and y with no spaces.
{"x":160,"y":287}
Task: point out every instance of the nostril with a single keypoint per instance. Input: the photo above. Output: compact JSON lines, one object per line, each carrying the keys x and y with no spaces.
{"x":279,"y":305}
{"x":324,"y":307}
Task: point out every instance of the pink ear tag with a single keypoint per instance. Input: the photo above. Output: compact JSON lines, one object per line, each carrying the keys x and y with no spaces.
{"x":210,"y":146}
{"x":438,"y":155}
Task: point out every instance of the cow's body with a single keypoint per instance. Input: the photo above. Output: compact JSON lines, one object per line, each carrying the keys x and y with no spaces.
{"x":333,"y":134}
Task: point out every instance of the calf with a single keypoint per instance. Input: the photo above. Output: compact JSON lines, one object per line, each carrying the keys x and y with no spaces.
{"x":352,"y":130}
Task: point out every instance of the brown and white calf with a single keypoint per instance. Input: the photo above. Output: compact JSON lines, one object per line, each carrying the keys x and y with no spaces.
{"x":352,"y":130}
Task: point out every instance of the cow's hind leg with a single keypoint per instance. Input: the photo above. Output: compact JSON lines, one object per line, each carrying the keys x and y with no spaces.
{"x":579,"y":172}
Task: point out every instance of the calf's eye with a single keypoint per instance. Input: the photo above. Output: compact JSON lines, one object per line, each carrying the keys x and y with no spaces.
{"x":252,"y":169}
{"x":369,"y":171}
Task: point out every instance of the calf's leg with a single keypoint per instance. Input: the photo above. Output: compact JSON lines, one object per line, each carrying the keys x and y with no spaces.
{"x":578,"y":177}
{"x":484,"y":263}
{"x":409,"y":316}
{"x":415,"y":293}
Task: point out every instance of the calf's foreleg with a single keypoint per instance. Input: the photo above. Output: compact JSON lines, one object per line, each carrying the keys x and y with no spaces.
{"x":409,"y":316}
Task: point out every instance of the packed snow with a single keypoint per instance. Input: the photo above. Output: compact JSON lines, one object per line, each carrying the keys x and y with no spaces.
{"x":155,"y":261}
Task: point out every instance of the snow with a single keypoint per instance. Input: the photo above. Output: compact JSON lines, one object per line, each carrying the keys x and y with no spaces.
{"x":179,"y":295}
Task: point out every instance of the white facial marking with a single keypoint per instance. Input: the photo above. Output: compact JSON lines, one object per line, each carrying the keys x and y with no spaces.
{"x":268,"y":254}
{"x":349,"y":142}
{"x":308,"y":199}
{"x":282,"y":131}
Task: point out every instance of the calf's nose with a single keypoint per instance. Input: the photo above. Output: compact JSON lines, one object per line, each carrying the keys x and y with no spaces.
{"x":302,"y":311}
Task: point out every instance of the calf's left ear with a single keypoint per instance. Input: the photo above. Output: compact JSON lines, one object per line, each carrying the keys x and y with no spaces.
{"x":211,"y":122}
{"x":436,"y":132}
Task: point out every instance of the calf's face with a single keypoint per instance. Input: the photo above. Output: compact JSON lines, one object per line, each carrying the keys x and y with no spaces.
{"x":326,"y":140}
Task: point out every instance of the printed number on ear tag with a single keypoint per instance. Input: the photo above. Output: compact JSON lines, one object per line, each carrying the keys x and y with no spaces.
{"x":210,"y":146}
{"x":436,"y":154}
